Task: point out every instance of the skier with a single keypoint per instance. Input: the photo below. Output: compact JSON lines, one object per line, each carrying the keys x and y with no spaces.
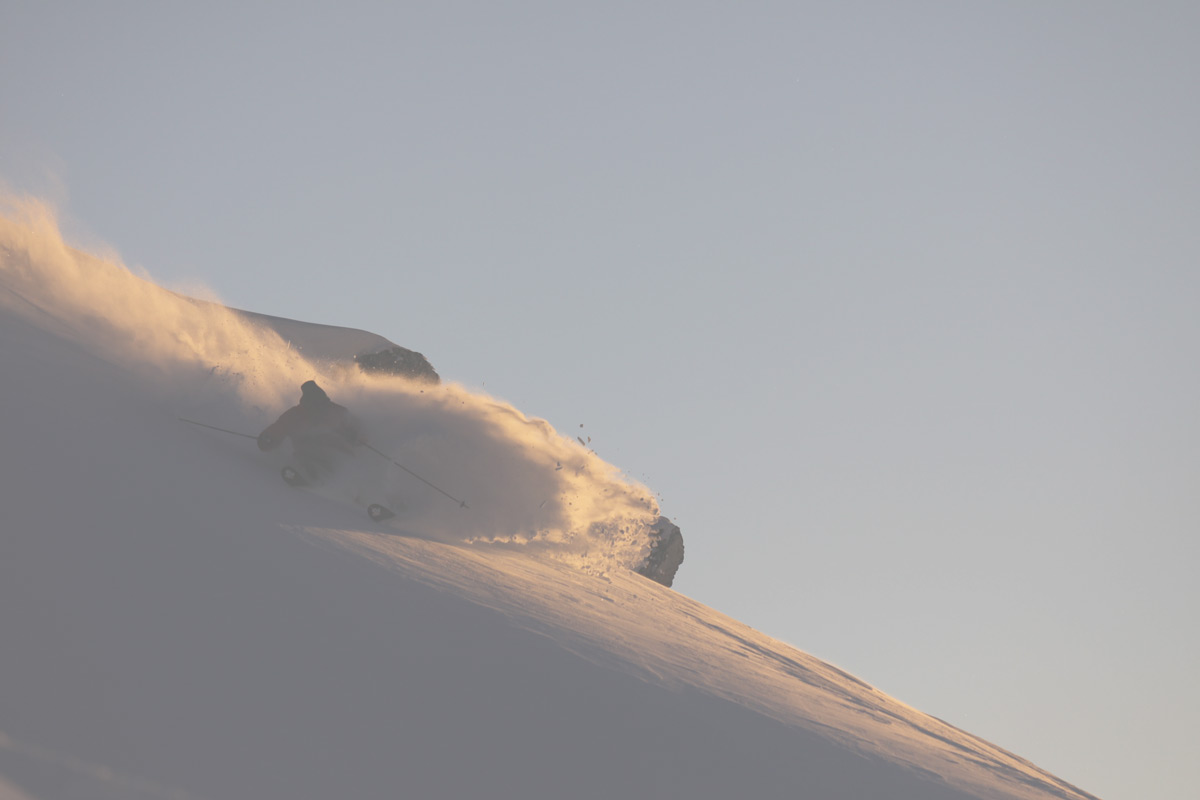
{"x":321,"y":432}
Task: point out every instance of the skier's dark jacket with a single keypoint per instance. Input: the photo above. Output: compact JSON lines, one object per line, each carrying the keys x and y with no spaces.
{"x":317,"y":422}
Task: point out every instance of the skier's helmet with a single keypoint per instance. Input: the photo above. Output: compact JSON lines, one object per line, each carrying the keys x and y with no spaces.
{"x":313,"y":396}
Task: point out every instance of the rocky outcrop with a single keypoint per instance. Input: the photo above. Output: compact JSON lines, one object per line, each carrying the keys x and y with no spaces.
{"x":338,"y":345}
{"x":666,"y":554}
{"x":400,"y":361}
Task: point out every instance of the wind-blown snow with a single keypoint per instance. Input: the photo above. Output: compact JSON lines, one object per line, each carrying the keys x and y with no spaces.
{"x":176,"y":622}
{"x":523,"y":482}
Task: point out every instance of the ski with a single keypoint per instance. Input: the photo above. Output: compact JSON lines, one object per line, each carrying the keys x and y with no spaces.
{"x":377,"y":512}
{"x":310,"y":479}
{"x":293,"y":477}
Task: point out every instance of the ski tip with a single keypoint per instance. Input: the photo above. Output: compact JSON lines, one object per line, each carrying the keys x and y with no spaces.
{"x":292,"y":477}
{"x":379,"y":513}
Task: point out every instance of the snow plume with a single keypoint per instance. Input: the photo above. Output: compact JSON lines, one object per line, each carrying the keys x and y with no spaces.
{"x":126,"y":319}
{"x":524,"y":484}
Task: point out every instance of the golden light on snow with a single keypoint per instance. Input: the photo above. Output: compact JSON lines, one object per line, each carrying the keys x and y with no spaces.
{"x":526,"y":485}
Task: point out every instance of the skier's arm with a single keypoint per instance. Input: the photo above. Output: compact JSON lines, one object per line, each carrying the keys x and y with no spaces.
{"x":279,"y":430}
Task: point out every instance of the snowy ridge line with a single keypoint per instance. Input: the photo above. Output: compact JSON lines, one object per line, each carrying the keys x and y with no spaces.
{"x":871,"y":701}
{"x":594,"y":618}
{"x":875,"y":704}
{"x":999,"y":755}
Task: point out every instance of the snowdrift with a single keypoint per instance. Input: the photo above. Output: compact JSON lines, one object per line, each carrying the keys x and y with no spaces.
{"x":177,"y":622}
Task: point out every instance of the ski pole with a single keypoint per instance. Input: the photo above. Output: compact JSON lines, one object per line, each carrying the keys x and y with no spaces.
{"x":215,"y":428}
{"x":386,"y":457}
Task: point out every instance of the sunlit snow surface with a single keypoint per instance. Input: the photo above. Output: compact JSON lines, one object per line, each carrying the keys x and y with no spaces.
{"x":176,"y":622}
{"x":625,"y":622}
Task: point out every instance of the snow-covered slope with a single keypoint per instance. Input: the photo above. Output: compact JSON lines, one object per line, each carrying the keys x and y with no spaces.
{"x":176,"y":622}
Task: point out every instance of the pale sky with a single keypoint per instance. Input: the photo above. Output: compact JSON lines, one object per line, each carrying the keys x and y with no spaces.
{"x":893,"y":304}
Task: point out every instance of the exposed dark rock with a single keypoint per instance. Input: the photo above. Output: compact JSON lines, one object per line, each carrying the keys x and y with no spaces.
{"x":398,"y":361}
{"x":666,"y":555}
